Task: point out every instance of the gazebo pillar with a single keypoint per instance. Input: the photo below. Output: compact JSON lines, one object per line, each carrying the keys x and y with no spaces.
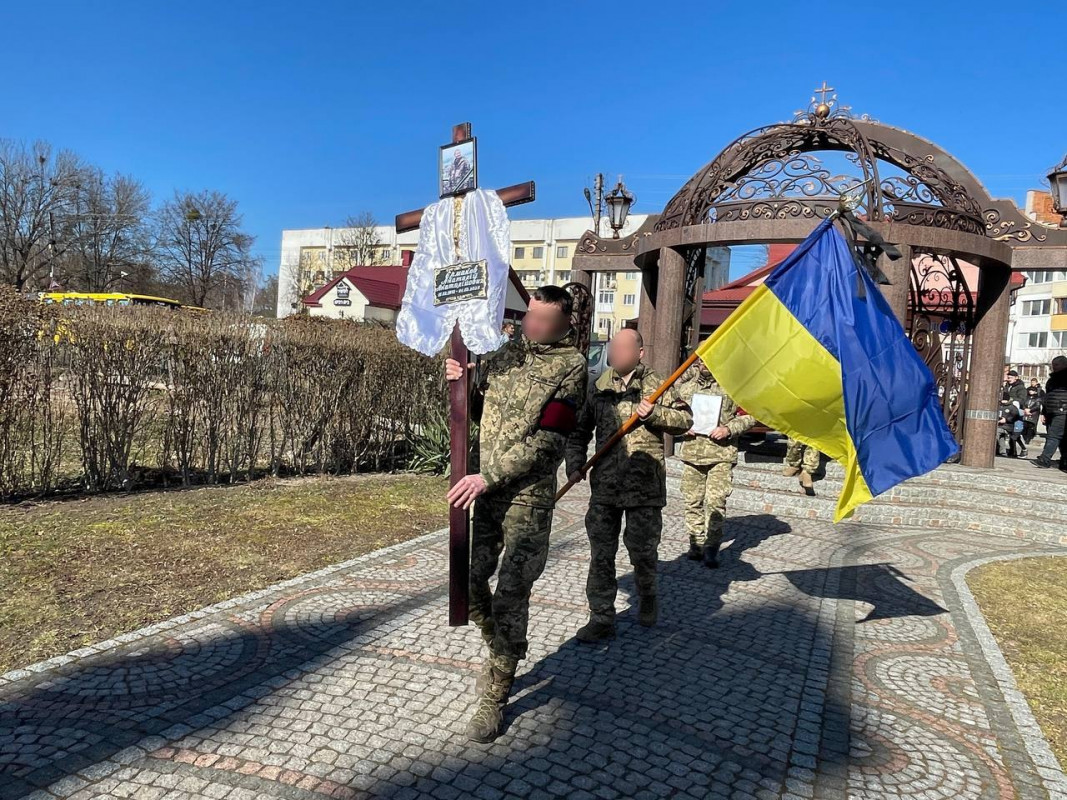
{"x":670,"y":311}
{"x":584,"y":277}
{"x":986,"y":370}
{"x":899,"y":274}
{"x":670,"y":307}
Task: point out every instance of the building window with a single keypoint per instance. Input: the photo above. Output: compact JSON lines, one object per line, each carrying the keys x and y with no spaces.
{"x":604,"y":324}
{"x":1045,"y":275}
{"x":1061,"y":305}
{"x":1036,"y":308}
{"x":607,"y":298}
{"x":1033,"y":340}
{"x":563,"y":276}
{"x":539,"y":252}
{"x":631,"y":276}
{"x":1059,"y":338}
{"x":561,"y":251}
{"x":520,"y":252}
{"x":629,"y":299}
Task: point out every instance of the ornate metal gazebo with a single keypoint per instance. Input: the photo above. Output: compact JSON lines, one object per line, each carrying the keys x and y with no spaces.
{"x":775,"y":183}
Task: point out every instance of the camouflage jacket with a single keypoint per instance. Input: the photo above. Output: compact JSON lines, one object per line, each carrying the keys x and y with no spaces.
{"x":518,"y":456}
{"x":703,"y":450}
{"x":631,"y":473}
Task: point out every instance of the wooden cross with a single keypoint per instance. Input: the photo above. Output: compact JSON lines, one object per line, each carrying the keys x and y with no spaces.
{"x":823,"y":90}
{"x":459,"y":411}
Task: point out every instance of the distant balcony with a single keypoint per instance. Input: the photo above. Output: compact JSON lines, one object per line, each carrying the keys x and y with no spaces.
{"x":605,"y":308}
{"x":1059,"y":290}
{"x":1059,"y":322}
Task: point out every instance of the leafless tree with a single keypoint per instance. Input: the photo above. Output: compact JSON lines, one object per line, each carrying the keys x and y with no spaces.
{"x":38,"y":192}
{"x":266,"y":302}
{"x":358,"y":243}
{"x":109,"y":237}
{"x":202,"y":248}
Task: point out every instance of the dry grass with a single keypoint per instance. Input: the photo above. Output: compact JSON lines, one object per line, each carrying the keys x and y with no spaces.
{"x":80,"y":571}
{"x":1025,"y":604}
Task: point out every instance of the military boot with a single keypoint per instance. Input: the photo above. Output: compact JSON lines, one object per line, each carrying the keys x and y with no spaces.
{"x":790,"y":472}
{"x":711,"y":556}
{"x":487,"y":721}
{"x":594,"y":631}
{"x":648,"y":611}
{"x":806,"y":482}
{"x":696,"y":552}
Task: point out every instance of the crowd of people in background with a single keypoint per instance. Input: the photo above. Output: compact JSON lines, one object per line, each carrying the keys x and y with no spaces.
{"x":1023,"y":406}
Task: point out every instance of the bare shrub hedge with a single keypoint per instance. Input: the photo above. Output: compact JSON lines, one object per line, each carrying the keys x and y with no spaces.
{"x":96,"y":398}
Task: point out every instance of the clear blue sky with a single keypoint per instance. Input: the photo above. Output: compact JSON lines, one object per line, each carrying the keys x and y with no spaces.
{"x":308,"y":112}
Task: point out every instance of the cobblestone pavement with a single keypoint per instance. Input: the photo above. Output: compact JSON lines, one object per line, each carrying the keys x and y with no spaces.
{"x":819,"y":661}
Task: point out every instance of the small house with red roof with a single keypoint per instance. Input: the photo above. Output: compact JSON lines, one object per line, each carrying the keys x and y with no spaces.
{"x":374,"y":294}
{"x":364,"y":294}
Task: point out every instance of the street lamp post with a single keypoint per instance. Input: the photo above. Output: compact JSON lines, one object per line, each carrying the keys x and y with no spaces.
{"x":1057,"y":180}
{"x":619,"y":203}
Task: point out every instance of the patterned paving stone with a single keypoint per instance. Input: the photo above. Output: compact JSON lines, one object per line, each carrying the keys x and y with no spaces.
{"x":820,"y":661}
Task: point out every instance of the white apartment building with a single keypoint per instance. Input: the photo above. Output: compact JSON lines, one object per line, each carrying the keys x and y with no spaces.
{"x":542,"y":250}
{"x":1037,"y":322}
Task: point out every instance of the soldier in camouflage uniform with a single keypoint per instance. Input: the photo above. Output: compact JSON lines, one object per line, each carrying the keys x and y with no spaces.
{"x":630,"y":479}
{"x":802,"y":460}
{"x":531,"y":390}
{"x":708,"y":466}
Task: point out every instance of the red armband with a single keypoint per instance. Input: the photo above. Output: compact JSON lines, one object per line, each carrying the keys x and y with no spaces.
{"x":559,"y":416}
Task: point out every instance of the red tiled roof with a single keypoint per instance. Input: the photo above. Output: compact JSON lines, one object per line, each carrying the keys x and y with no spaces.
{"x":382,"y":286}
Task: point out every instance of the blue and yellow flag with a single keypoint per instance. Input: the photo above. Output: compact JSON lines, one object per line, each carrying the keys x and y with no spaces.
{"x":816,"y":357}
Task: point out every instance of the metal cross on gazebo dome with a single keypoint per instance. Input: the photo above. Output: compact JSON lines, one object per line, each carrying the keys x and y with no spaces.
{"x":774,"y":184}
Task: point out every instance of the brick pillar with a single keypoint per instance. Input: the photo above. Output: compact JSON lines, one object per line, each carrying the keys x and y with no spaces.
{"x":986,"y":370}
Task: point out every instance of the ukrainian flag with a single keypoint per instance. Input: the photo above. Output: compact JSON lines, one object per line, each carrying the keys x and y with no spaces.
{"x":821,"y":359}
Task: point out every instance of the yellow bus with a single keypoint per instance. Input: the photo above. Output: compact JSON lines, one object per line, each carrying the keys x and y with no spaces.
{"x":112,"y":299}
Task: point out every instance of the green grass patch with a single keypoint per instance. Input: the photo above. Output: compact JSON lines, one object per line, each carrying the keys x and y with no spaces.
{"x":1025,"y":604}
{"x":77,"y":572}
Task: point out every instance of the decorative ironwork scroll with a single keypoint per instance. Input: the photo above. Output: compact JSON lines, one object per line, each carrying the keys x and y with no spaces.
{"x":943,"y":317}
{"x":581,"y":314}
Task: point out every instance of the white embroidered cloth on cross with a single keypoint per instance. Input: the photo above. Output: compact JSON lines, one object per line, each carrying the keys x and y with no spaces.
{"x":484,"y":234}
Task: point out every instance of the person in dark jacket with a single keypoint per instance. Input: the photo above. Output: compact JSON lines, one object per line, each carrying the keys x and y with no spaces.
{"x":1055,"y":413}
{"x":1031,"y":413}
{"x":1010,"y":432}
{"x":1035,"y":384}
{"x":1014,"y":390}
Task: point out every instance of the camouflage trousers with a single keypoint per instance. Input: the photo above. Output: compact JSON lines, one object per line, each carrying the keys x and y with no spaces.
{"x":705,"y":488}
{"x":520,"y":534}
{"x":801,"y":456}
{"x":603,"y":523}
